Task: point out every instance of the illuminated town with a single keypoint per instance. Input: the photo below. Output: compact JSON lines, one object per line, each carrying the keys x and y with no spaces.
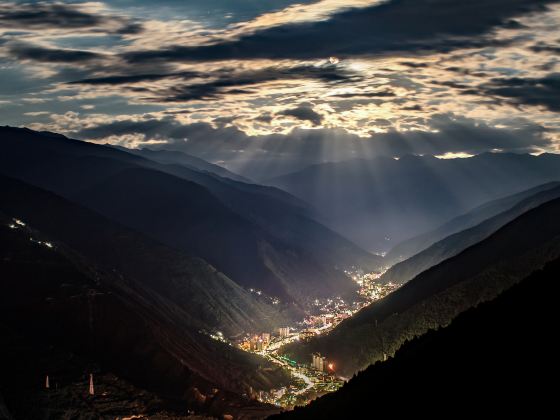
{"x":319,"y":375}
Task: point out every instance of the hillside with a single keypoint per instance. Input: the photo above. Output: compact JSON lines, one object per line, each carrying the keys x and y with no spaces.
{"x":490,"y":359}
{"x":232,"y":225}
{"x":379,"y":203}
{"x":215,"y":302}
{"x":191,"y":162}
{"x":64,"y":317}
{"x":436,"y":296}
{"x":413,"y":246}
{"x":446,"y":248}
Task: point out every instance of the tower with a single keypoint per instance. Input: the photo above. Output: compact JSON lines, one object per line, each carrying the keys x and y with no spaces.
{"x":91,"y":390}
{"x":47,"y":383}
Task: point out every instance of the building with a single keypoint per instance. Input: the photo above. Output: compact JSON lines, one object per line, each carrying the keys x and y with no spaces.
{"x":319,"y":362}
{"x":257,"y":344}
{"x":265,"y":337}
{"x":284,"y":332}
{"x":307,"y":335}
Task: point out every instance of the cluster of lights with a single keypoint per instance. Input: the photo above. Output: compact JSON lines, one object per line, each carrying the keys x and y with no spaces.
{"x":47,"y":244}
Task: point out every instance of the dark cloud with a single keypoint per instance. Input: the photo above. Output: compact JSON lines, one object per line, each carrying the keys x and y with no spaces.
{"x":387,"y":93}
{"x":133,"y":78}
{"x":228,"y":81}
{"x":52,"y":55}
{"x":543,"y":91}
{"x":264,"y":118}
{"x":304,"y":113}
{"x":301,"y":147}
{"x":546,"y":48}
{"x":48,"y":15}
{"x":394,"y":26}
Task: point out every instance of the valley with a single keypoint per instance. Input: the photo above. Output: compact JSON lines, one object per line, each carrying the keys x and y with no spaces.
{"x":189,"y":293}
{"x":279,"y":209}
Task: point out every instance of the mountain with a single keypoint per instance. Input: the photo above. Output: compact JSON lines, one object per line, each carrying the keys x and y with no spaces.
{"x":446,"y":248}
{"x":214,"y":301}
{"x":491,"y":359}
{"x":465,"y":221}
{"x":189,"y":161}
{"x":260,"y":237}
{"x":379,"y":203}
{"x":62,"y":316}
{"x":436,"y":296}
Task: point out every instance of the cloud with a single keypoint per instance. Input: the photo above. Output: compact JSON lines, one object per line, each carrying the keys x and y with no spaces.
{"x":56,"y":15}
{"x":543,"y":91}
{"x":259,"y":155}
{"x":231,"y":82}
{"x":133,"y":78}
{"x":395,"y":26}
{"x":52,"y":55}
{"x":385,"y":93}
{"x":304,"y":113}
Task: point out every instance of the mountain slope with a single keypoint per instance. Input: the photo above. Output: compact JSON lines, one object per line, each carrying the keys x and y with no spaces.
{"x":436,"y":296}
{"x":191,"y":162}
{"x":65,"y":317}
{"x":446,"y":248}
{"x":294,"y":258}
{"x":490,"y":359}
{"x":214,"y":301}
{"x":381,"y":202}
{"x":473,"y":217}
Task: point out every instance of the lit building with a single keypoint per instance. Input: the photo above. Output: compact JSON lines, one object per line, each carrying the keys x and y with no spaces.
{"x":284,"y":332}
{"x":257,"y":344}
{"x":306,"y":335}
{"x":319,"y":362}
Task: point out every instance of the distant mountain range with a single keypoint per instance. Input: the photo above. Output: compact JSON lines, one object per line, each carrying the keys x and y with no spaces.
{"x":381,"y":202}
{"x":437,"y":295}
{"x":192,"y":162}
{"x":457,"y":242}
{"x":413,"y":246}
{"x":260,"y":237}
{"x":491,"y":359}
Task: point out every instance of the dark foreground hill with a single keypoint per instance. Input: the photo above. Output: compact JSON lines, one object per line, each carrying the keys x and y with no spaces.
{"x":436,"y":296}
{"x":448,"y":247}
{"x":259,"y":237}
{"x":495,"y":359}
{"x":62,"y":316}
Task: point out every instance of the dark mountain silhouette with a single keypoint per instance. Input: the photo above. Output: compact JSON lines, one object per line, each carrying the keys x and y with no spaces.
{"x":62,"y":316}
{"x":413,"y":246}
{"x":381,"y":202}
{"x":436,"y":296}
{"x":214,"y":302}
{"x":258,"y":236}
{"x":492,"y":359}
{"x":453,"y":244}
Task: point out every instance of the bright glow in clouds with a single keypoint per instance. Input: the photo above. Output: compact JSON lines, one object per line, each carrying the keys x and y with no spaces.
{"x":67,"y":67}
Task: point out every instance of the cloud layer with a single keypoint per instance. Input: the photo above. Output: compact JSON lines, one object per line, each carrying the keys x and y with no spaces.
{"x":303,"y":81}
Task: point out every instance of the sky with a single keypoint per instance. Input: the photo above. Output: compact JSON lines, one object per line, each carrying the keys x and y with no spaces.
{"x":254,"y":82}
